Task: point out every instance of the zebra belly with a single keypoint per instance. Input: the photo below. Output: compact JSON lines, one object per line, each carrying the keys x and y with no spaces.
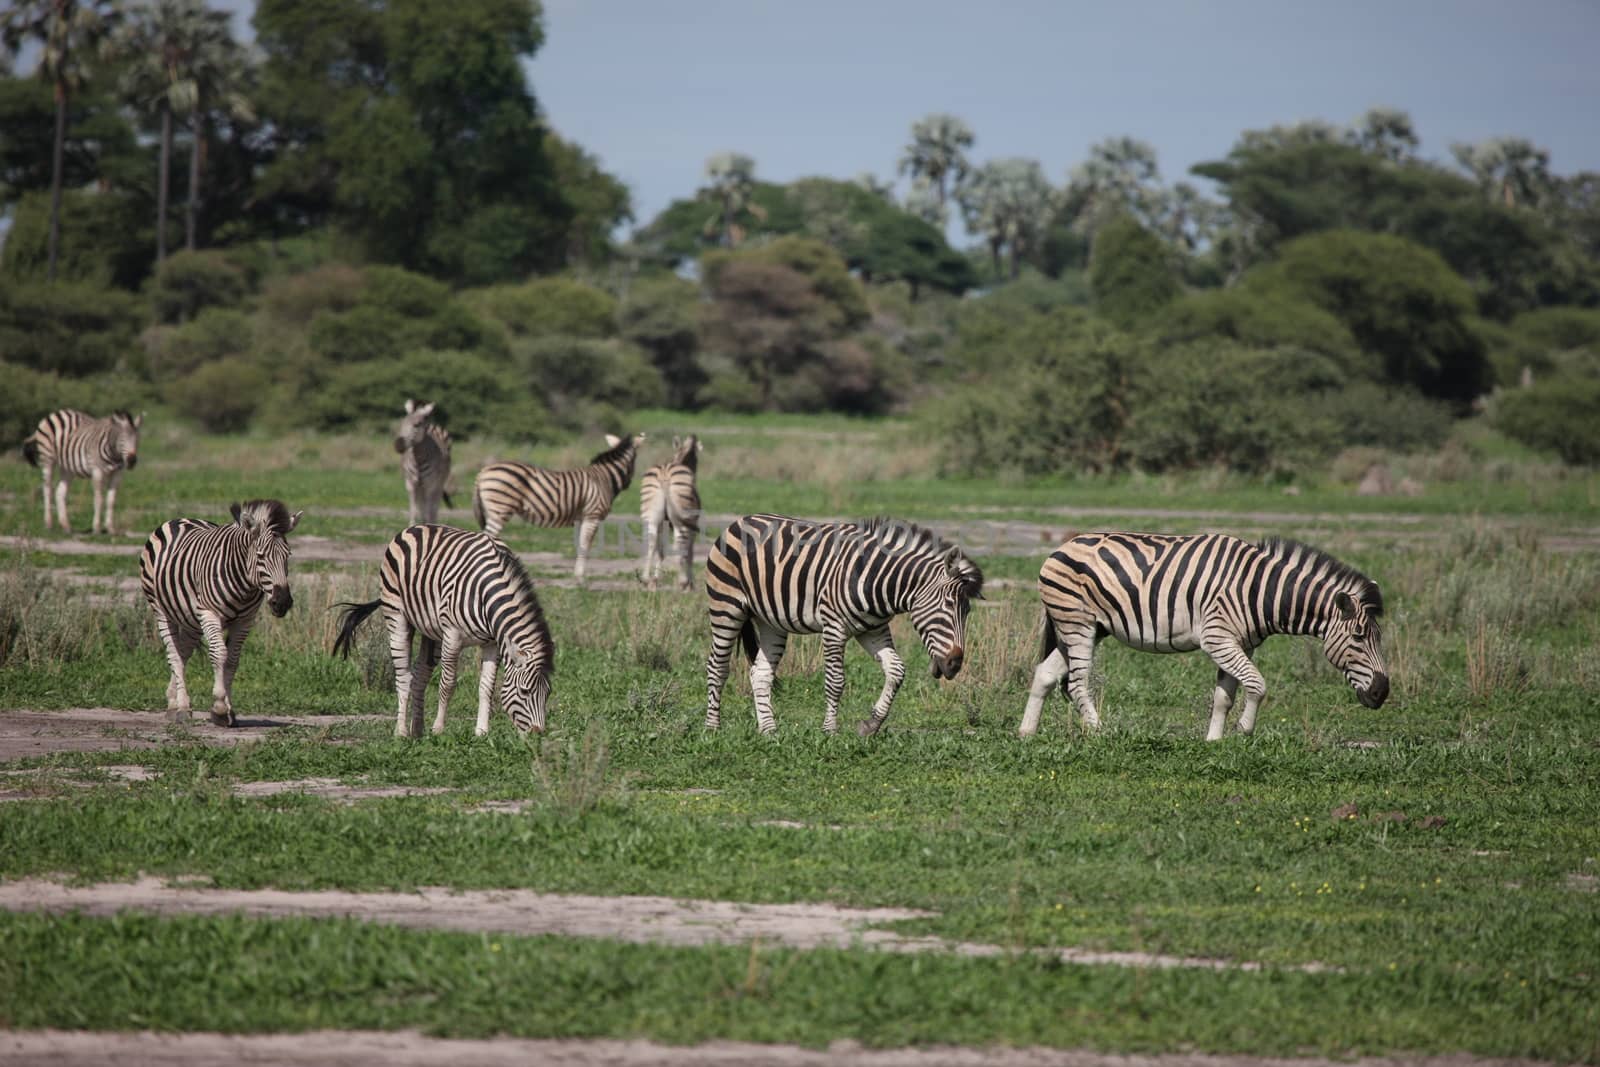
{"x":1185,"y":642}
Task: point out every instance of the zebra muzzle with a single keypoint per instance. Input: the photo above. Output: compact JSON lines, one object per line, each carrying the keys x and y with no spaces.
{"x":280,"y":601}
{"x":1375,"y":694}
{"x":949,"y":665}
{"x":131,"y":462}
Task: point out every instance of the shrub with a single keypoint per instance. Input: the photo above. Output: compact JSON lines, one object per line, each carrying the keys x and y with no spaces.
{"x":1558,"y":415}
{"x":1130,"y":272}
{"x":548,"y":306}
{"x":70,"y":328}
{"x":472,"y":394}
{"x":404,"y":293}
{"x":1398,"y":419}
{"x":222,"y":396}
{"x":660,"y":316}
{"x":1559,"y":329}
{"x":362,"y":333}
{"x":300,"y":298}
{"x":1263,"y":316}
{"x":215,"y":333}
{"x":106,"y":239}
{"x":568,"y":369}
{"x":189,"y":282}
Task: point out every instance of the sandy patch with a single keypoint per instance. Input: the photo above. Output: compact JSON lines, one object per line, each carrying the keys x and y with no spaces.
{"x":340,"y":1048}
{"x":333,"y":789}
{"x":40,"y":733}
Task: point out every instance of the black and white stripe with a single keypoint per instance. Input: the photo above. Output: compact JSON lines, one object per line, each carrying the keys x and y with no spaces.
{"x":1224,"y":596}
{"x":668,"y":498}
{"x":206,"y":582}
{"x":424,"y":449}
{"x":459,"y":588}
{"x":770,"y":576}
{"x":72,"y":445}
{"x":580,"y":498}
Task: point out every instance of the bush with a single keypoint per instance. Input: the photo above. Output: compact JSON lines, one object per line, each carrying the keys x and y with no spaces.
{"x":191,"y":281}
{"x":299,"y":298}
{"x":70,"y":328}
{"x":1560,"y":329}
{"x":1263,"y":316}
{"x":106,"y":239}
{"x":1558,"y":416}
{"x":360,"y":334}
{"x":1398,"y":419}
{"x":546,"y":307}
{"x":398,"y":290}
{"x":29,"y":395}
{"x":172,"y":351}
{"x":660,"y":315}
{"x":223,"y":396}
{"x":568,"y":369}
{"x":473,"y":396}
{"x":1130,"y":272}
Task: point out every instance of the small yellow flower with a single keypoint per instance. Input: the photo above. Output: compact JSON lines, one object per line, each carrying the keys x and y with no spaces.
{"x":1058,"y":907}
{"x":1391,"y":966}
{"x":494,"y":946}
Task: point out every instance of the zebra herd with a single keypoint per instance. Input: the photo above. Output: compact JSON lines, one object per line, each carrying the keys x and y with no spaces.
{"x":767,"y":577}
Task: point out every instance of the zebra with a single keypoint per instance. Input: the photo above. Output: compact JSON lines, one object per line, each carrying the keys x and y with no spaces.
{"x":77,"y":445}
{"x":668,"y":497}
{"x":580,"y":498}
{"x":458,"y":588}
{"x":424,"y":449}
{"x":769,"y":576}
{"x":1225,"y":596}
{"x":205,"y":581}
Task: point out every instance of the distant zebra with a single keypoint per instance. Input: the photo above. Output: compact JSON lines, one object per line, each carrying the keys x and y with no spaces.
{"x":668,"y":498}
{"x":81,"y":446}
{"x":770,"y":576}
{"x":459,"y":588}
{"x":1224,"y":596}
{"x":424,"y":449}
{"x":580,"y":498}
{"x":206,"y":581}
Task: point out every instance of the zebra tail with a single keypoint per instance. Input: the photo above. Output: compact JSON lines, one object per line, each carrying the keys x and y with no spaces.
{"x":748,"y":637}
{"x":30,"y":450}
{"x":447,"y":501}
{"x":353,"y":618}
{"x":477,"y":507}
{"x":1047,"y":643}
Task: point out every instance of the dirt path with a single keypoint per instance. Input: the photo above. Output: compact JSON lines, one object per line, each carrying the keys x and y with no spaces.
{"x":39,"y":733}
{"x":407,"y":1048}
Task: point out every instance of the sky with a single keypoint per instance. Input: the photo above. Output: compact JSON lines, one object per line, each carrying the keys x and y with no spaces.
{"x":831,"y":87}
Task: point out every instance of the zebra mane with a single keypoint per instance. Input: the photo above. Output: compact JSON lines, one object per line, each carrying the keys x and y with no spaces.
{"x":122,"y":415}
{"x":919,"y":540}
{"x":529,"y":599}
{"x":1321,"y":563}
{"x":624,"y":447}
{"x":271,"y":513}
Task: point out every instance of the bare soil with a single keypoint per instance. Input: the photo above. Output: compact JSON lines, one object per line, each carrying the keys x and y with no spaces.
{"x":40,"y":733}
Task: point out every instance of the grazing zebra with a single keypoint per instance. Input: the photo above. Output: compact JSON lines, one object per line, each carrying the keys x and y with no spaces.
{"x":1225,"y":596}
{"x":769,"y":577}
{"x":580,"y":498}
{"x":668,"y":497}
{"x":207,"y":581}
{"x":76,"y":445}
{"x":424,"y":449}
{"x":459,"y":588}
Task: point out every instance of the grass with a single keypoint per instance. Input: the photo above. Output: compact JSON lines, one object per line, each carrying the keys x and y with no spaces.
{"x":1465,"y":923}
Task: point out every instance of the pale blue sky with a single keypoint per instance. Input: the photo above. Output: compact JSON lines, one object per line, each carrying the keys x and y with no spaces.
{"x":831,"y":87}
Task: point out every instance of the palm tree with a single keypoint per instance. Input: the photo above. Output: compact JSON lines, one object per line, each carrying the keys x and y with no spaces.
{"x":1120,"y":176}
{"x":1386,"y":132}
{"x":1510,"y":169}
{"x":1007,"y":202}
{"x":161,"y":43}
{"x":732,"y":179}
{"x":223,"y":73}
{"x":937,"y":156}
{"x":67,"y":32}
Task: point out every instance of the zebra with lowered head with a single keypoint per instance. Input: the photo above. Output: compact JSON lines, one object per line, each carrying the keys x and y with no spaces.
{"x":75,"y":445}
{"x":459,"y":588}
{"x":770,"y":576}
{"x":1224,"y":596}
{"x":206,"y":582}
{"x":580,"y":498}
{"x":424,"y":449}
{"x":668,"y":499}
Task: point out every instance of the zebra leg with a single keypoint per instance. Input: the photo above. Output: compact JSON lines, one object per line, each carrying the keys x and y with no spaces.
{"x":491,"y":659}
{"x":449,"y":653}
{"x":421,"y":671}
{"x":880,"y":646}
{"x":236,"y":635}
{"x":1221,"y":703}
{"x":1079,"y":651}
{"x":765,"y":668}
{"x":211,"y":629}
{"x":1234,"y":661}
{"x":61,"y":504}
{"x":46,"y":469}
{"x":180,"y":646}
{"x":683,"y":541}
{"x":111,"y":502}
{"x":832,"y":678}
{"x":585,"y":537}
{"x":98,"y":480}
{"x":652,"y":554}
{"x":1046,"y":676}
{"x":724,"y":635}
{"x":400,"y":655}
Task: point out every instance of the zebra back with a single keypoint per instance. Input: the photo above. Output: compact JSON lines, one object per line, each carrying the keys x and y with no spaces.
{"x":554,"y":497}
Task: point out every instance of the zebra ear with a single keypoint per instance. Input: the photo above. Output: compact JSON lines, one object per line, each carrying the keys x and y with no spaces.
{"x":426,"y":409}
{"x":235,"y":509}
{"x":612,"y":440}
{"x":410,"y":405}
{"x":677,"y":442}
{"x":952,"y":561}
{"x":294,"y":520}
{"x":1344,"y":606}
{"x":138,"y":420}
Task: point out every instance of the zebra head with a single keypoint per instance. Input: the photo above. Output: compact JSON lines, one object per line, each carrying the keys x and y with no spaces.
{"x":1353,"y":644}
{"x":269,"y":523}
{"x":939,"y":609}
{"x":686,"y":451}
{"x":125,"y":438}
{"x":525,"y":689}
{"x":408,"y":434}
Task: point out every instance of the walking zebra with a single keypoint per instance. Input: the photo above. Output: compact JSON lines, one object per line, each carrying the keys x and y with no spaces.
{"x":459,"y":588}
{"x":76,"y":445}
{"x":769,"y":577}
{"x":580,"y":498}
{"x":668,"y":498}
{"x":424,"y":449}
{"x":206,"y":581}
{"x":1225,"y":596}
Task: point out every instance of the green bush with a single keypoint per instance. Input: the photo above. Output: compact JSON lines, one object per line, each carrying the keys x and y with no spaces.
{"x":300,"y":298}
{"x":1397,"y":419}
{"x":1130,"y":272}
{"x":473,"y":396}
{"x":1559,"y":415}
{"x":223,"y":396}
{"x":363,"y":333}
{"x":398,"y":290}
{"x":1560,"y":329}
{"x":569,"y":369}
{"x":1263,"y":316}
{"x":548,"y":307}
{"x":189,"y":282}
{"x":72,"y":328}
{"x":660,"y":315}
{"x":29,"y":395}
{"x":173,"y":351}
{"x":106,"y":239}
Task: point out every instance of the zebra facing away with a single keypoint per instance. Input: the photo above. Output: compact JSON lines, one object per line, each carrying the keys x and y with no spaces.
{"x":580,"y":498}
{"x":770,"y":576}
{"x":206,"y":582}
{"x":1211,"y":592}
{"x":424,"y":449}
{"x":74,"y":445}
{"x":459,"y":588}
{"x":668,"y":499}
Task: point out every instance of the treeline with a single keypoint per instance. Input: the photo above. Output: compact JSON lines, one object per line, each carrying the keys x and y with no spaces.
{"x":369,"y":202}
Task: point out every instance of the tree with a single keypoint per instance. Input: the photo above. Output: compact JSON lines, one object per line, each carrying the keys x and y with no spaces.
{"x":600,"y":203}
{"x":222,"y":74}
{"x":1384,"y":132}
{"x":731,"y":179}
{"x":1130,"y":272}
{"x":68,"y":32}
{"x":1007,"y":202}
{"x":1120,"y":177}
{"x":1510,"y":169}
{"x":101,"y":146}
{"x":936,"y":160}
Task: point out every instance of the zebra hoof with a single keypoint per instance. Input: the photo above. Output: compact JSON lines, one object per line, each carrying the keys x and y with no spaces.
{"x":222,"y":718}
{"x":178,"y":715}
{"x":866,"y":727}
